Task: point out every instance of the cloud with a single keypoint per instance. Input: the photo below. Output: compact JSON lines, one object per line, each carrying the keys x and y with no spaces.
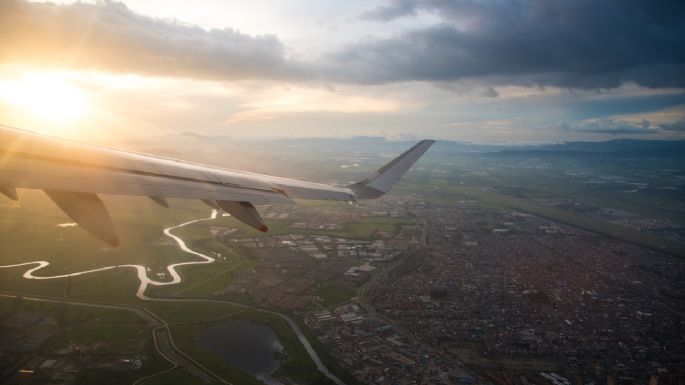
{"x":276,"y":101}
{"x":580,"y":44}
{"x":392,"y":11}
{"x":676,"y":126}
{"x":616,"y":126}
{"x":607,"y":125}
{"x":572,"y":44}
{"x":108,"y":36}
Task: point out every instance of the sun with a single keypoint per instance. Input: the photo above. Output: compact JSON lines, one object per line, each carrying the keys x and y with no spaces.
{"x":48,"y":97}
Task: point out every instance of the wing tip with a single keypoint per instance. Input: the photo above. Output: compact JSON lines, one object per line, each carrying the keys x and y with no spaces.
{"x":384,"y":178}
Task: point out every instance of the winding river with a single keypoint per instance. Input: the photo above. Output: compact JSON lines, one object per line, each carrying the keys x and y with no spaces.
{"x":176,"y":279}
{"x":142,"y":274}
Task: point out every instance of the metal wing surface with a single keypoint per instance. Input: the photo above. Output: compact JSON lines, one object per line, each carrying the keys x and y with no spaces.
{"x":73,"y":173}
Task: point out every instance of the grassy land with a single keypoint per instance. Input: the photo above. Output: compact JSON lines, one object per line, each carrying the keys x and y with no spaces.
{"x":332,"y":295}
{"x":121,"y":332}
{"x":362,"y":229}
{"x":190,"y":311}
{"x":28,"y":232}
{"x":68,"y":315}
{"x":114,"y":337}
{"x":365,"y":228}
{"x":118,"y":285}
{"x":497,"y":200}
{"x":178,"y":376}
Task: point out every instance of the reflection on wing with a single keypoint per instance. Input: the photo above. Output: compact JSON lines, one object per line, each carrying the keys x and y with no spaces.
{"x":72,"y":173}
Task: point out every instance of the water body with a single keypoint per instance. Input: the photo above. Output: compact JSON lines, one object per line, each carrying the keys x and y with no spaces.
{"x":251,"y":347}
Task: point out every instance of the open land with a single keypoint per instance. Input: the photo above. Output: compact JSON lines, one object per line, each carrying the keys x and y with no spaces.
{"x":476,"y":269}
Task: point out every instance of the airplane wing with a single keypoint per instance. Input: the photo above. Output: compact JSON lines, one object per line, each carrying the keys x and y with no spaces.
{"x":73,"y":173}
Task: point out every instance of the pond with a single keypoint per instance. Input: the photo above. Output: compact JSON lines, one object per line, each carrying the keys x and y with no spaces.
{"x":251,"y":347}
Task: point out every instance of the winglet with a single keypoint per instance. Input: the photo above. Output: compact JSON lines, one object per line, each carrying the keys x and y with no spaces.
{"x":382,"y":180}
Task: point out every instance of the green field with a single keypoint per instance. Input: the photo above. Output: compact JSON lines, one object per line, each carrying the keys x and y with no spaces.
{"x":118,"y":285}
{"x":332,"y":295}
{"x":362,"y":229}
{"x":496,"y":200}
{"x":527,"y":184}
{"x":28,"y":231}
{"x":118,"y":331}
{"x":177,"y":376}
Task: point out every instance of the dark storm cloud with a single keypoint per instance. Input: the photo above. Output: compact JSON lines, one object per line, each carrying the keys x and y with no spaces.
{"x":575,"y":44}
{"x":108,"y":36}
{"x":394,"y":10}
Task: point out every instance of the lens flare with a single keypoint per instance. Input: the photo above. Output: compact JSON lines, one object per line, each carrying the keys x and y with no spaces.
{"x":45,"y":96}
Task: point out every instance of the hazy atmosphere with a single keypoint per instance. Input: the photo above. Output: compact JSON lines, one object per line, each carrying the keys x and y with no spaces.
{"x":484,"y":72}
{"x":410,"y":192}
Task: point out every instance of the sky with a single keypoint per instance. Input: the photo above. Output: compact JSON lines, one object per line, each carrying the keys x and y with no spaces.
{"x":515,"y":71}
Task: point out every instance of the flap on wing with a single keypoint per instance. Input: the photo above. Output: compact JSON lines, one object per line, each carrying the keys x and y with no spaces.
{"x":244,"y":212}
{"x":9,"y":192}
{"x":88,"y":211}
{"x":160,"y":201}
{"x":211,"y":203}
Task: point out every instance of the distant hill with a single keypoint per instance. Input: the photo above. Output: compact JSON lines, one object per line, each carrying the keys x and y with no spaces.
{"x":379,"y":145}
{"x":616,"y":145}
{"x":611,"y":148}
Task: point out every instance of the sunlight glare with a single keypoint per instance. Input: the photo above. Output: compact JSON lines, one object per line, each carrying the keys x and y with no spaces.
{"x":45,"y":96}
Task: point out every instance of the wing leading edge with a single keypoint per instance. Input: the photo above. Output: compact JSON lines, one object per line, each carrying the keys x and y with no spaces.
{"x":72,"y":173}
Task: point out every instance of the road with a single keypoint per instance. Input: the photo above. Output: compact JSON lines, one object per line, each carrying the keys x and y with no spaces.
{"x":165,"y":346}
